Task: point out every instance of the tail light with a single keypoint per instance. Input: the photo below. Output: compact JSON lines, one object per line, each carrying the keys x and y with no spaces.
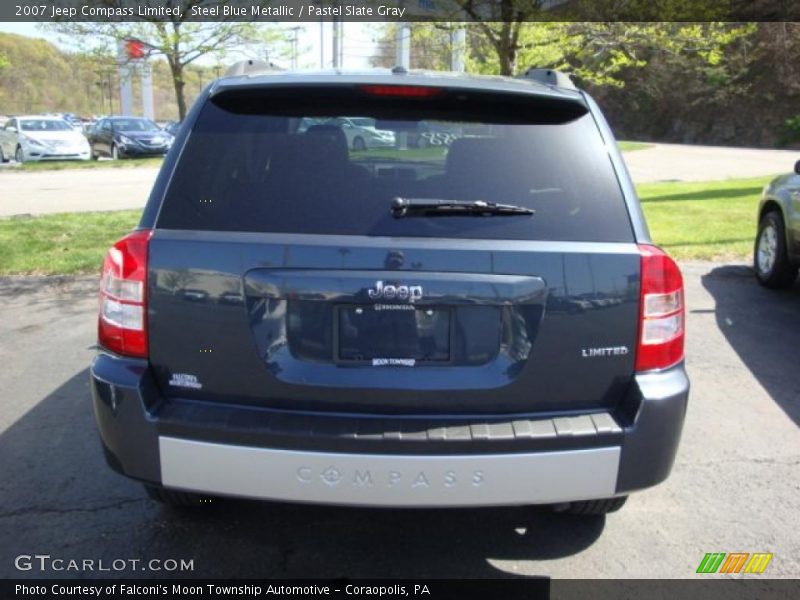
{"x":401,"y":91}
{"x":661,"y":322}
{"x":122,"y":326}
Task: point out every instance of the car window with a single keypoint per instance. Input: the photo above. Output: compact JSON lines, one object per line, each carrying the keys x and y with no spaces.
{"x":44,"y":125}
{"x":245,"y":168}
{"x":135,"y":125}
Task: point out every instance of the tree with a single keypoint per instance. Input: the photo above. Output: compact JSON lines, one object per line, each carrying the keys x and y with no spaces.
{"x":179,"y":41}
{"x":683,"y":82}
{"x":597,"y":53}
{"x":509,"y":29}
{"x":430,"y":46}
{"x":500,"y":23}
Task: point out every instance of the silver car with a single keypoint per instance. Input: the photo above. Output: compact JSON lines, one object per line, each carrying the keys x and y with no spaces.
{"x":33,"y":138}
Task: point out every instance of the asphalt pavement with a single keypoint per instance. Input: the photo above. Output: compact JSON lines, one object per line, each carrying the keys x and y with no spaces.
{"x":734,"y":487}
{"x":681,"y":162}
{"x":74,"y":190}
{"x":41,"y":192}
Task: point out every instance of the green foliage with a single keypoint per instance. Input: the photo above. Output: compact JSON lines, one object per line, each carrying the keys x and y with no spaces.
{"x":41,"y":78}
{"x":791,"y":132}
{"x":63,"y":165}
{"x":179,"y":42}
{"x":709,"y":82}
{"x":595,"y":53}
{"x":430,"y":46}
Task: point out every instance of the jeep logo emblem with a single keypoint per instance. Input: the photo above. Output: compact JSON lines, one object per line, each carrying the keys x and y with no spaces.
{"x":412,"y":293}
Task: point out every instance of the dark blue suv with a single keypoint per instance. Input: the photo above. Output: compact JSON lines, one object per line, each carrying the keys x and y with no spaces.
{"x":479,"y":320}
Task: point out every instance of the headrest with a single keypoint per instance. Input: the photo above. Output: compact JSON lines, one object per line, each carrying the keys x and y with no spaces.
{"x":330,"y":141}
{"x":474,"y":156}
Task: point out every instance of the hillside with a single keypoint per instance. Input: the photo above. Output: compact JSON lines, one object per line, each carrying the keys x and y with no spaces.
{"x":36,"y":76}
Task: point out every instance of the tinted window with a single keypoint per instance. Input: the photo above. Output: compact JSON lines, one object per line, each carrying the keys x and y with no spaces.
{"x":259,"y":167}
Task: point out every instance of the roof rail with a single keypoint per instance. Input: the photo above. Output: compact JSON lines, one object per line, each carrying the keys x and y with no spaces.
{"x":250,"y":67}
{"x":550,"y":77}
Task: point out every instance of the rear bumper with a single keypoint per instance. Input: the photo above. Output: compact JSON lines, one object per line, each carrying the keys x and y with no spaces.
{"x":256,"y":453}
{"x":388,"y":479}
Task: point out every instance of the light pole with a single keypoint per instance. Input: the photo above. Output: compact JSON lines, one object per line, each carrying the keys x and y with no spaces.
{"x":336,"y":42}
{"x":295,"y":47}
{"x":403,"y":46}
{"x":321,"y":44}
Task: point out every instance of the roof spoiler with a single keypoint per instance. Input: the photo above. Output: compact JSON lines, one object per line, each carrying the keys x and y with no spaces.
{"x":550,"y":77}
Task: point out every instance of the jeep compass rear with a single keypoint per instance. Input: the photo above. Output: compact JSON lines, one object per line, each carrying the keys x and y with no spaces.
{"x":472,"y":316}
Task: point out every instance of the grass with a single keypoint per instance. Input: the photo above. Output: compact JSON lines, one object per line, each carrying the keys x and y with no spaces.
{"x":434,"y":152}
{"x":706,"y":220}
{"x":438,"y":151}
{"x":61,"y":244}
{"x":633,"y":146}
{"x":60,"y":165}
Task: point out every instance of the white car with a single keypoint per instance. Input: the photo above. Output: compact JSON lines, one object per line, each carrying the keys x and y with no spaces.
{"x":34,"y":138}
{"x":361,"y":133}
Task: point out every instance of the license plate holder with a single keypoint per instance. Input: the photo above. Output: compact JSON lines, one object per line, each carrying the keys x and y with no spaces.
{"x":392,"y":335}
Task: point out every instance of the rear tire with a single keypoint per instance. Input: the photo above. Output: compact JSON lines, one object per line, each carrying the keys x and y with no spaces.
{"x":174,"y":498}
{"x":588,"y":508}
{"x":770,"y":258}
{"x":3,"y":158}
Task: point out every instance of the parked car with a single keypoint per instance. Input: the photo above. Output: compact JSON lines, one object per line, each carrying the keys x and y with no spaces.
{"x":73,"y":121}
{"x":33,"y":138}
{"x":124,"y":137}
{"x":295,"y":321}
{"x":171,"y":127}
{"x":361,"y":133}
{"x":776,"y":256}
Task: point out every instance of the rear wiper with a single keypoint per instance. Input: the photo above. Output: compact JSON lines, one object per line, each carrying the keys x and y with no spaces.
{"x":431,"y":207}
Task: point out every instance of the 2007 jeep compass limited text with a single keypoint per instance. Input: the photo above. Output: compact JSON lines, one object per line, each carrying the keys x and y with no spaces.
{"x":392,"y":289}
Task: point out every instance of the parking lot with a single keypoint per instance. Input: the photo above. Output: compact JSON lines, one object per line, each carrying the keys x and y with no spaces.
{"x":734,"y":486}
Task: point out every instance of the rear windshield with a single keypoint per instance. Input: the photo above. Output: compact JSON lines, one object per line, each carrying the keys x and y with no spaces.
{"x":335,"y":166}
